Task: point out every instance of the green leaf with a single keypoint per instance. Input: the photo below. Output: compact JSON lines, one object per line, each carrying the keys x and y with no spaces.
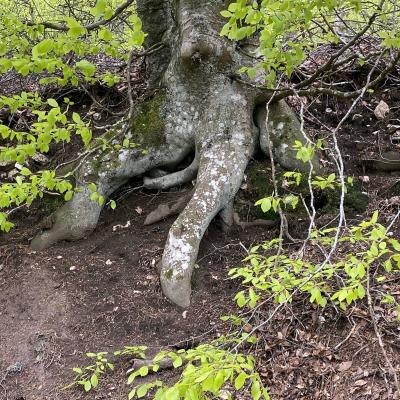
{"x":131,"y":394}
{"x":219,"y":380}
{"x":99,"y":9}
{"x":76,"y":118}
{"x":374,"y":218}
{"x":240,"y":299}
{"x":68,"y":195}
{"x":255,"y":390}
{"x":240,"y":380}
{"x":52,"y":103}
{"x":177,"y":362}
{"x":75,"y":28}
{"x":87,"y":386}
{"x":42,"y":48}
{"x":105,"y":35}
{"x":142,"y":391}
{"x":94,"y":381}
{"x":88,"y":69}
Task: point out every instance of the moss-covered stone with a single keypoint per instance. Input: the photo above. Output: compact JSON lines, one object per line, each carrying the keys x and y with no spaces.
{"x":148,"y":122}
{"x":259,"y":185}
{"x":355,"y":200}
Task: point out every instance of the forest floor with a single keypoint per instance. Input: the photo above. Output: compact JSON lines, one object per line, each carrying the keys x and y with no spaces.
{"x":103,"y":293}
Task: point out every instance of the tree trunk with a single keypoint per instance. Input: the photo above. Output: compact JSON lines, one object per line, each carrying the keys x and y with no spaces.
{"x":197,"y":108}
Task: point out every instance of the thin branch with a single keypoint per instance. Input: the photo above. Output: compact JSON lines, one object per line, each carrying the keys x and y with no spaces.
{"x":61,"y":27}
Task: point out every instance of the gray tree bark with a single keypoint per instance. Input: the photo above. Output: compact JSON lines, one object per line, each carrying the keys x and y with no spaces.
{"x":198,"y":108}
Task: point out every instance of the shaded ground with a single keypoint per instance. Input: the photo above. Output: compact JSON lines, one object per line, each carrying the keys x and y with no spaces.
{"x":102,"y":293}
{"x":98,"y":295}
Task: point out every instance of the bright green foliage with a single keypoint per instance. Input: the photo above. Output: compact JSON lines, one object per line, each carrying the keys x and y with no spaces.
{"x":88,"y":377}
{"x":52,"y":125}
{"x":208,"y":372}
{"x":49,"y":39}
{"x":26,"y":188}
{"x":29,"y":46}
{"x":288,"y":30}
{"x":268,"y":271}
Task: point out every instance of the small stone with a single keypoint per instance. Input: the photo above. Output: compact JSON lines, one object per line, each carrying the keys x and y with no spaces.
{"x":381,"y":110}
{"x":396,"y":137}
{"x":59,"y":257}
{"x":109,"y":262}
{"x":12,"y":173}
{"x":72,"y":268}
{"x":184,"y":314}
{"x":40,"y":158}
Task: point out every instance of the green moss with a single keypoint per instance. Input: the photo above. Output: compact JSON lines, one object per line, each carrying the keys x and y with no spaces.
{"x":50,"y":204}
{"x":168,"y":274}
{"x":259,"y":185}
{"x":148,"y":122}
{"x":355,"y":200}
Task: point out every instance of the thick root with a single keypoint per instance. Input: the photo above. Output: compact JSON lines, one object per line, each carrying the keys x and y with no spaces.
{"x":220,"y":176}
{"x":165,"y":210}
{"x":174,"y":179}
{"x":72,"y":221}
{"x":284,"y":129}
{"x":79,"y":216}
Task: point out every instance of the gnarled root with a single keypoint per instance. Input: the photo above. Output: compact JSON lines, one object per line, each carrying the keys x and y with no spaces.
{"x":174,"y":179}
{"x":283,"y":128}
{"x":79,"y":216}
{"x":220,"y":175}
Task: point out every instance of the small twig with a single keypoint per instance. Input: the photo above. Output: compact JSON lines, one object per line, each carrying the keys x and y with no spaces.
{"x":90,"y":27}
{"x":379,"y":336}
{"x":339,"y":345}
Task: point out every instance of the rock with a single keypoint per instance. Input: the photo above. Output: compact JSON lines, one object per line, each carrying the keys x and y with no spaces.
{"x":381,"y":110}
{"x":40,"y":158}
{"x":12,"y":173}
{"x":4,"y":165}
{"x":395,"y":138}
{"x":392,"y":128}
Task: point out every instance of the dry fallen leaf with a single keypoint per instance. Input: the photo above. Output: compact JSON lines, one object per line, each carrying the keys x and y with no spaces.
{"x":360,"y":382}
{"x":344,"y":366}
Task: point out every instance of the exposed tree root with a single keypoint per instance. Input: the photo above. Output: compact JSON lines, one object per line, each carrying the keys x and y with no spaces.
{"x":78,"y":217}
{"x":164,"y":210}
{"x":174,"y":179}
{"x":200,"y":108}
{"x":284,"y":128}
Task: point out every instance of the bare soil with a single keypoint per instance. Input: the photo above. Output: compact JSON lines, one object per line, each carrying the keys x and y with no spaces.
{"x":100,"y":294}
